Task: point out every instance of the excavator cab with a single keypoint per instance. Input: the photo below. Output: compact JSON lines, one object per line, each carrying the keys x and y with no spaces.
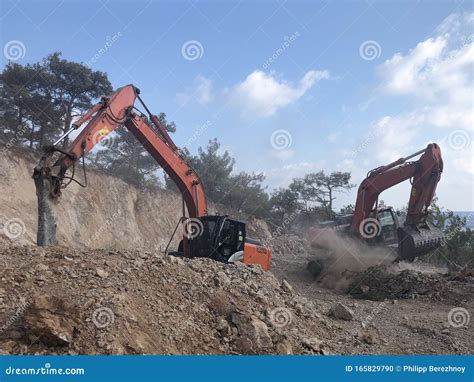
{"x":388,"y":228}
{"x":217,"y":237}
{"x":225,"y":240}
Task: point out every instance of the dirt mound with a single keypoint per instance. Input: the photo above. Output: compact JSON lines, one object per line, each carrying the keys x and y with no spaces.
{"x":58,"y":300}
{"x":390,"y":282}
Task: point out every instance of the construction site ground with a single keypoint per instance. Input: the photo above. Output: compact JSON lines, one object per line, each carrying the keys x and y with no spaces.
{"x":68,"y":301}
{"x":109,"y":289}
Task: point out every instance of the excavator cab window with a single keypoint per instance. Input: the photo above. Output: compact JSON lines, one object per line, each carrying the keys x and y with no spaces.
{"x":388,"y":227}
{"x":231,"y":238}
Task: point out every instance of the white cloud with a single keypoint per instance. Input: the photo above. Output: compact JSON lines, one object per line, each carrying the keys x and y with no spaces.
{"x":201,"y":92}
{"x":436,"y":78}
{"x":262,"y":94}
{"x":396,"y":137}
{"x":410,"y":73}
{"x":438,"y":73}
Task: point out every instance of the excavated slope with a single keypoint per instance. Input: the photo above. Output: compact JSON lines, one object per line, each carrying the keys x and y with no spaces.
{"x":109,"y":213}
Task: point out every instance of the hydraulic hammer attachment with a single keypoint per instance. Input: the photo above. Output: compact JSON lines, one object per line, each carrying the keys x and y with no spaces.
{"x":46,"y":234}
{"x":48,"y":183}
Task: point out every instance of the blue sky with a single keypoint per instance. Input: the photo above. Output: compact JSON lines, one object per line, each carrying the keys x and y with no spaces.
{"x":287,"y":87}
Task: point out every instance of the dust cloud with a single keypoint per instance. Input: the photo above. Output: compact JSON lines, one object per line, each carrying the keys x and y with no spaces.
{"x":342,"y":257}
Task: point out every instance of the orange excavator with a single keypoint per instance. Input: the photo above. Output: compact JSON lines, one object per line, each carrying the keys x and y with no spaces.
{"x":417,"y":235}
{"x":382,"y":227}
{"x":217,"y":237}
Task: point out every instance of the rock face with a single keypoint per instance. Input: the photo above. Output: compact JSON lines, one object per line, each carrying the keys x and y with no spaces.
{"x":341,"y":312}
{"x":51,"y":320}
{"x":124,"y":217}
{"x":313,"y":343}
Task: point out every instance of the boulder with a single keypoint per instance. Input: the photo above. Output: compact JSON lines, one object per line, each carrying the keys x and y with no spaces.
{"x":51,"y":320}
{"x":254,"y":329}
{"x":342,"y":312}
{"x":313,"y":343}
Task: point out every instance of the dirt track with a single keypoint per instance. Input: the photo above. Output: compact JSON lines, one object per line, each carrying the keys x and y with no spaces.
{"x":416,"y":325}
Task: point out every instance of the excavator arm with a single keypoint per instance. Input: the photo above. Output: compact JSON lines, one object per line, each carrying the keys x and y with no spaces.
{"x":107,"y":115}
{"x":417,"y":236}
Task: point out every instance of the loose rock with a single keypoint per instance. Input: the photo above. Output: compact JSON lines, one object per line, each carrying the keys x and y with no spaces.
{"x":341,"y":312}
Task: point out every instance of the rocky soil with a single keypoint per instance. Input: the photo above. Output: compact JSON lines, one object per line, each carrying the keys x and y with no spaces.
{"x":398,"y":309}
{"x":108,"y":289}
{"x":382,"y":282}
{"x":69,"y":301}
{"x":63,"y":301}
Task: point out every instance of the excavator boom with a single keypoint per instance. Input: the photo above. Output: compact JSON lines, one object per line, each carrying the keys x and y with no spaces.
{"x":110,"y":113}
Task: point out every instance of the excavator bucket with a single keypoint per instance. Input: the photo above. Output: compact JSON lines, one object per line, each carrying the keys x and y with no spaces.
{"x":418,"y":240}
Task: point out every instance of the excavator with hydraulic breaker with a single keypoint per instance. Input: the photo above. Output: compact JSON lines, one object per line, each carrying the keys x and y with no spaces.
{"x":218,"y":237}
{"x":382,"y":226}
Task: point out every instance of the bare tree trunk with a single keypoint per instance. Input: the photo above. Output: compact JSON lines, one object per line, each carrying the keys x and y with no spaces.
{"x":330,"y":212}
